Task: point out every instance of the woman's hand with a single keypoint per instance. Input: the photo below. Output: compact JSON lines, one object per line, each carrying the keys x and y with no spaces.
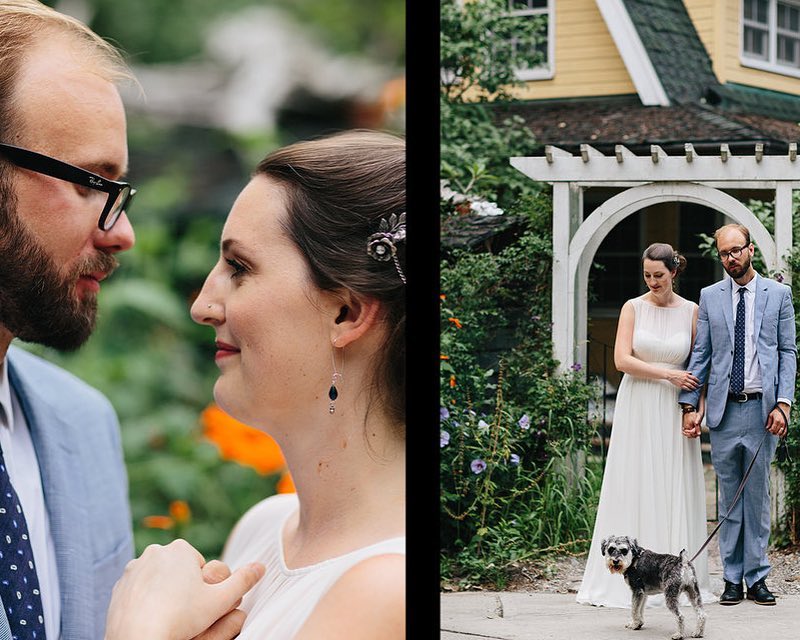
{"x":683,"y":380}
{"x":165,"y":595}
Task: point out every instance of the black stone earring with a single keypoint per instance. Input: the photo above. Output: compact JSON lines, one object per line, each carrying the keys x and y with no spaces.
{"x":333,"y":392}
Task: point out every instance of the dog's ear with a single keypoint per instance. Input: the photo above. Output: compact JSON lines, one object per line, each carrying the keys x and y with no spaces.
{"x":604,"y":545}
{"x":636,"y":550}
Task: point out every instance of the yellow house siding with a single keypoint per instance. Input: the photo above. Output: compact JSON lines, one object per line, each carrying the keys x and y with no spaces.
{"x":702,"y":14}
{"x":586,"y":60}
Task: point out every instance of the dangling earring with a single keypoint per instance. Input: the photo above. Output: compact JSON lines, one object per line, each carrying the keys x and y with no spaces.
{"x":333,"y":393}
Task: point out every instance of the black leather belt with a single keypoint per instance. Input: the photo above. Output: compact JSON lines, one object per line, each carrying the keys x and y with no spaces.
{"x":744,"y":397}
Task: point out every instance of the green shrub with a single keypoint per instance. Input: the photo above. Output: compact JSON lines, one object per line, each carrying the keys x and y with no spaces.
{"x":514,"y":434}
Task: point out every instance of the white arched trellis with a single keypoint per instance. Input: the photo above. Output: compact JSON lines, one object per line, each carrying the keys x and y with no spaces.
{"x":647,"y":181}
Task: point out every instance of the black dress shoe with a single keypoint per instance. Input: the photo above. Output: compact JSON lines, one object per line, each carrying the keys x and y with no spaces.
{"x":733,"y":594}
{"x":760,"y":594}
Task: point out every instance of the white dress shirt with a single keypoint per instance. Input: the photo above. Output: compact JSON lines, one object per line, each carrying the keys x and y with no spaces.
{"x":752,"y":369}
{"x":23,"y":470}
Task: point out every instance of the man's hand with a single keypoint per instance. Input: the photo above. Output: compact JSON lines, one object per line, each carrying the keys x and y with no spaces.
{"x":691,"y":424}
{"x":776,"y":424}
{"x":168,"y":594}
{"x":229,"y":625}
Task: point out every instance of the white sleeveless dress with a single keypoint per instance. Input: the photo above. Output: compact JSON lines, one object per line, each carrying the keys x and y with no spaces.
{"x":653,"y":487}
{"x":281,"y":602}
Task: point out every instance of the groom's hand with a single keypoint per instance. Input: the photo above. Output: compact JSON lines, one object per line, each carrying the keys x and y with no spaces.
{"x":776,"y":421}
{"x":691,"y":424}
{"x":229,"y":625}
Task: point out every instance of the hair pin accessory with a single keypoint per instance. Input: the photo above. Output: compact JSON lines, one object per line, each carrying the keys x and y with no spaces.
{"x":381,"y":246}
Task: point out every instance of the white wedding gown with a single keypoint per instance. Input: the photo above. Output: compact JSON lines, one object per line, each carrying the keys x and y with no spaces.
{"x":653,"y":488}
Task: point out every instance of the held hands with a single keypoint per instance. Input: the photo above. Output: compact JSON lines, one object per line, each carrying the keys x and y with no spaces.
{"x":683,"y":380}
{"x":777,"y":421}
{"x":171,"y":593}
{"x":691,"y":424}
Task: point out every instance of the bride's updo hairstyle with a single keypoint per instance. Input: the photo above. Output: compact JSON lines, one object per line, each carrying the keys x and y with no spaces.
{"x":664,"y":253}
{"x":341,"y":191}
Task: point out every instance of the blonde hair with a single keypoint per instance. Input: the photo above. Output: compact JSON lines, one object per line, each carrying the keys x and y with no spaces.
{"x":733,"y":225}
{"x":22,"y":23}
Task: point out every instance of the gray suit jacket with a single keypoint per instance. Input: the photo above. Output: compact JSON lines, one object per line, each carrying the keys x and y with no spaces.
{"x":76,"y":436}
{"x":712,"y":354}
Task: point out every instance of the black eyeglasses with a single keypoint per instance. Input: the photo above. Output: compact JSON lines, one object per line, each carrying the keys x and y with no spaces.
{"x":733,"y":253}
{"x":120,"y":194}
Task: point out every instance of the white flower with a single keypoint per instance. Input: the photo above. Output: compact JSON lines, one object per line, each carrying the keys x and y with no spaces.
{"x":484,"y":208}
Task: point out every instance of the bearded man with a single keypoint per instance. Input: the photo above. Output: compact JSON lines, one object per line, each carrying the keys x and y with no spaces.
{"x":745,"y":351}
{"x":63,"y":152}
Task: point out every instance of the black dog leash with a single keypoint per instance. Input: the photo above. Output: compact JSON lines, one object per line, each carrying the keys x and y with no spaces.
{"x":741,"y":487}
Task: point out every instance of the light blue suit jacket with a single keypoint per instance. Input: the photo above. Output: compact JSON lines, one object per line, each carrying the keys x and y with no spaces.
{"x":76,"y":436}
{"x":712,"y":354}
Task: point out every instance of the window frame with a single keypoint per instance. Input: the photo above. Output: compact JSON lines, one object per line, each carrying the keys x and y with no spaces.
{"x":545,"y":71}
{"x":771,"y":62}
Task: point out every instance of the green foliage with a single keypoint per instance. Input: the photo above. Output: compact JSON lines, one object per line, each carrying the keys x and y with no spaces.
{"x":514,"y":477}
{"x":528,"y":425}
{"x":475,"y":151}
{"x":153,"y":31}
{"x":477,"y":58}
{"x":478,"y":64}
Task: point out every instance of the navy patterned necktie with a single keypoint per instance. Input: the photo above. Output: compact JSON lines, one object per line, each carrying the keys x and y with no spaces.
{"x":737,"y":371}
{"x":19,"y":584}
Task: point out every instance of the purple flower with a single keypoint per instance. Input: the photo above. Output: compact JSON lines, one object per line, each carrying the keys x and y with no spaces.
{"x":482,"y":424}
{"x":477,"y":466}
{"x":524,"y":422}
{"x":576,"y":366}
{"x":514,"y":459}
{"x":536,"y":318}
{"x":444,"y":414}
{"x":444,"y":439}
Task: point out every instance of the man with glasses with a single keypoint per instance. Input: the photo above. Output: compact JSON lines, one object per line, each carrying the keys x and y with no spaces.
{"x":65,"y":524}
{"x":745,"y":351}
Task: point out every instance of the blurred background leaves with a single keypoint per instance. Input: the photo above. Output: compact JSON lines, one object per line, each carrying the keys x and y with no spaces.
{"x":193,"y":470}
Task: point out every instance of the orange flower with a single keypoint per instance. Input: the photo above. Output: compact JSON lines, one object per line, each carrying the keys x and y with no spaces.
{"x":444,"y":357}
{"x":158,"y":522}
{"x":452,"y":381}
{"x":286,"y":484}
{"x":442,"y":296}
{"x":239,"y":442}
{"x":456,"y":322}
{"x":180,"y":511}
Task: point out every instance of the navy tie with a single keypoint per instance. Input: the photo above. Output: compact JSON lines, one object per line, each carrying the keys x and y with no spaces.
{"x":19,"y":585}
{"x":737,"y":371}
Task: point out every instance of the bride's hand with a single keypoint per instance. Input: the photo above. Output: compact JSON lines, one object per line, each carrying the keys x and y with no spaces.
{"x":683,"y":380}
{"x":164,"y":595}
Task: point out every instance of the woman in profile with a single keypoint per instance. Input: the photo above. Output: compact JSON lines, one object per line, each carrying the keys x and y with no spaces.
{"x":307,"y":302}
{"x":653,"y":486}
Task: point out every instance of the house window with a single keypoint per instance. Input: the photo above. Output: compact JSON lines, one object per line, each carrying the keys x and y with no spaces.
{"x":526,"y":10}
{"x":771,"y":35}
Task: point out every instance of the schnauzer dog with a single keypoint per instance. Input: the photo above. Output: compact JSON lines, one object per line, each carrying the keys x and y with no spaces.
{"x":648,"y":573}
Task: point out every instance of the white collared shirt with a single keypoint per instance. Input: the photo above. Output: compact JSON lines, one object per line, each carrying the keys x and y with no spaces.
{"x":23,"y":470}
{"x":752,"y":372}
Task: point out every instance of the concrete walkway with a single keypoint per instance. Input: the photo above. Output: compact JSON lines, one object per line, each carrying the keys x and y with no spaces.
{"x":545,"y":616}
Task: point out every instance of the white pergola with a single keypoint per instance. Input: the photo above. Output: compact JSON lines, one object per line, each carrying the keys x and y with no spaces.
{"x":647,"y":180}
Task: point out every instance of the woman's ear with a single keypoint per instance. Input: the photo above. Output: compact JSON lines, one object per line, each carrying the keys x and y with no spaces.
{"x":355,"y":317}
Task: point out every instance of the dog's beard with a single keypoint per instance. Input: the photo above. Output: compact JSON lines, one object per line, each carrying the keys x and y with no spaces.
{"x":620,"y":568}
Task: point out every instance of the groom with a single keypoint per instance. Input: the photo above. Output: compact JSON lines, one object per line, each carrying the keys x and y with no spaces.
{"x":745,"y":350}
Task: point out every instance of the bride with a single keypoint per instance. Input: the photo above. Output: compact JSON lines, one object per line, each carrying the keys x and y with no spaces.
{"x":307,"y":302}
{"x":653,"y":487}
